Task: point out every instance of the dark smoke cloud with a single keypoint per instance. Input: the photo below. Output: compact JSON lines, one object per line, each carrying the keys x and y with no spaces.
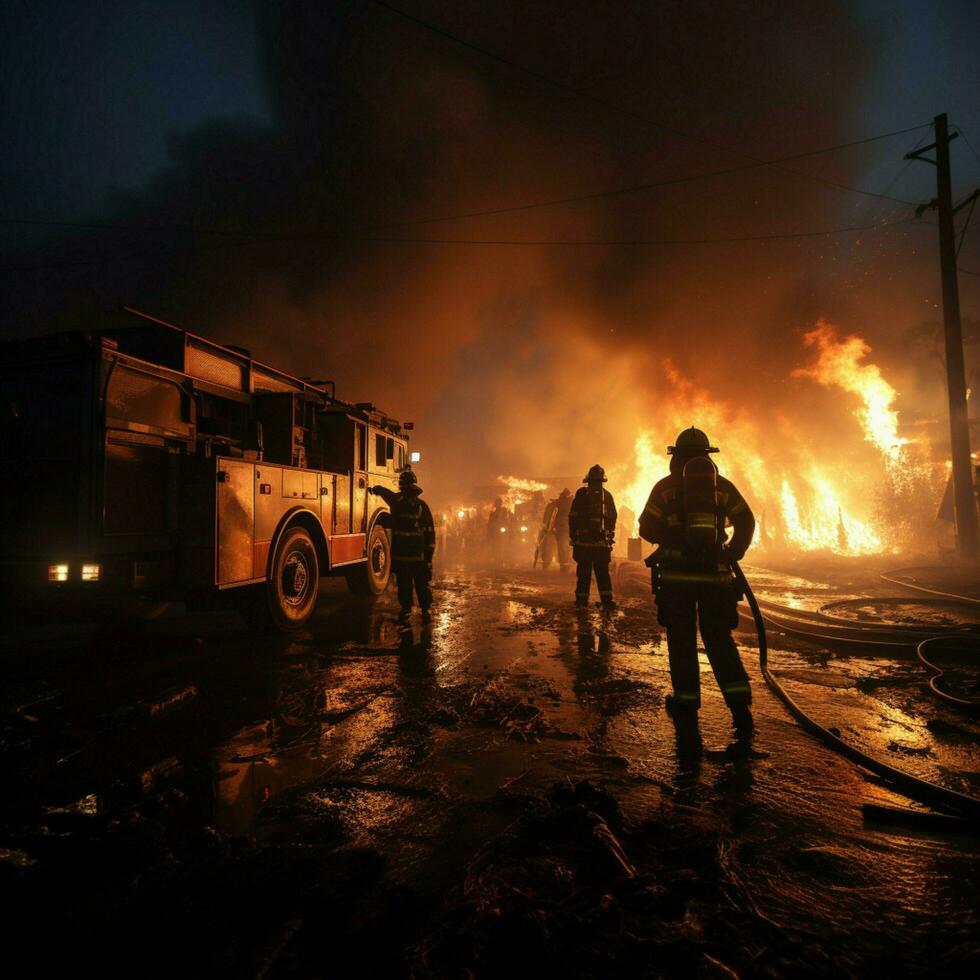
{"x":537,"y":359}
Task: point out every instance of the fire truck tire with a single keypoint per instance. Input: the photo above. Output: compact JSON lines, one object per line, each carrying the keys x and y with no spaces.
{"x":289,"y":597}
{"x":371,"y":578}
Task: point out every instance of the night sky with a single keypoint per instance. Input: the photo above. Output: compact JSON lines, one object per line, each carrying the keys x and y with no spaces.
{"x":245,"y":160}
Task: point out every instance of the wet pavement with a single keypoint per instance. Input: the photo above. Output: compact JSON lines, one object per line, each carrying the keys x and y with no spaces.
{"x":496,"y":791}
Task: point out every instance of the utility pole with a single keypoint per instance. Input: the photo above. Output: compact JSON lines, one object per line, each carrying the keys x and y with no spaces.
{"x":959,"y":426}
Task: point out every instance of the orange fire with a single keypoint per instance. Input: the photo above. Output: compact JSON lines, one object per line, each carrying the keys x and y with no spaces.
{"x":839,"y":363}
{"x":516,"y":483}
{"x":804,"y":503}
{"x":518,"y":490}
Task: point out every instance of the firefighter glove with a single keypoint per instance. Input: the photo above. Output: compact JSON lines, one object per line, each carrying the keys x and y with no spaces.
{"x":730,"y":555}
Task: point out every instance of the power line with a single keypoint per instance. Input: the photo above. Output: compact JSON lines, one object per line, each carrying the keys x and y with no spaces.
{"x":108,"y":226}
{"x":641,"y":117}
{"x":966,"y":225}
{"x":511,"y":242}
{"x":966,"y":139}
{"x":621,"y":191}
{"x":489,"y":212}
{"x":506,"y":209}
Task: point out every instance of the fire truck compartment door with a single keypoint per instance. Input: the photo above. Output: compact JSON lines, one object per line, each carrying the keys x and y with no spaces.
{"x":236,"y":518}
{"x":341,"y":498}
{"x":301,"y":484}
{"x":358,"y":502}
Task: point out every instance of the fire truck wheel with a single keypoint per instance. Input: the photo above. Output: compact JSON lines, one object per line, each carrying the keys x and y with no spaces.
{"x":295,"y":581}
{"x":371,"y":578}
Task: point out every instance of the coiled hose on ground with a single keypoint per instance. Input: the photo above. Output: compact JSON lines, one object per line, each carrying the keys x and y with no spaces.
{"x":911,"y":786}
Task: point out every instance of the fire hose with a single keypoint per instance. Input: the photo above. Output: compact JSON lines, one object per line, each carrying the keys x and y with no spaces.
{"x":893,"y":578}
{"x":920,"y":790}
{"x":819,"y":625}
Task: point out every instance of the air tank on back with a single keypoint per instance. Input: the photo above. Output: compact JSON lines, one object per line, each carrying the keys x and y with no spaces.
{"x":700,"y":485}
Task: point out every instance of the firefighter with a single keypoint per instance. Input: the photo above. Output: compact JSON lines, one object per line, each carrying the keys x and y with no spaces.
{"x":592,"y":528}
{"x":545,"y":550}
{"x":686,"y":516}
{"x":499,"y":528}
{"x":413,"y":541}
{"x":561,"y":528}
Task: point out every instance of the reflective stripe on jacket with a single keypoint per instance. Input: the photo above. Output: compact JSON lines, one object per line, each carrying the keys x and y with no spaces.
{"x":413,"y":535}
{"x":664,"y":520}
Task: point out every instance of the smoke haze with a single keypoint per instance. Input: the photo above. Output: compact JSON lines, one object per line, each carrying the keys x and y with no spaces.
{"x":528,"y":359}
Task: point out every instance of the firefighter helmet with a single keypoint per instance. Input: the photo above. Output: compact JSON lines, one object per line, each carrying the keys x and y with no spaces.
{"x":407,"y":479}
{"x":691,"y":442}
{"x":595,"y":475}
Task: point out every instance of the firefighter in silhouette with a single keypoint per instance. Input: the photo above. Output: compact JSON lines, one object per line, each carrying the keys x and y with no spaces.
{"x":592,"y":528}
{"x":561,"y":528}
{"x":545,"y":550}
{"x":499,"y":527}
{"x":686,"y":517}
{"x":413,"y":541}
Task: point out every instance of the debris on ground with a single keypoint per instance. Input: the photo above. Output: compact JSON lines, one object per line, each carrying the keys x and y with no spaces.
{"x":571,"y":890}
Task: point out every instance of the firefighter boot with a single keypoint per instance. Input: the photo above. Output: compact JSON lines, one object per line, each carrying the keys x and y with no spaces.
{"x":742,"y":720}
{"x":684,"y":715}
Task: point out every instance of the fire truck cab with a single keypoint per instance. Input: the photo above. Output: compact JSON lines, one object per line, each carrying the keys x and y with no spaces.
{"x":149,"y":460}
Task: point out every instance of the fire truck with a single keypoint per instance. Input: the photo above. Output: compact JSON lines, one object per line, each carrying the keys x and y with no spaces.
{"x":147,"y":460}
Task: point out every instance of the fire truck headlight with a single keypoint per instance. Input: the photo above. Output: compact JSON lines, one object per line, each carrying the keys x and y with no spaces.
{"x":91,"y":573}
{"x":57,"y":573}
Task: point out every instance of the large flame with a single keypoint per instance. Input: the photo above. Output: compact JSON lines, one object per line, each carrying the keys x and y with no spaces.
{"x":518,"y":490}
{"x":839,"y":363}
{"x":516,"y":483}
{"x":803,"y":502}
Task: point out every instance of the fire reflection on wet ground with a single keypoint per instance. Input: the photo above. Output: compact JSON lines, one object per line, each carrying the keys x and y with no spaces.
{"x":411,"y":749}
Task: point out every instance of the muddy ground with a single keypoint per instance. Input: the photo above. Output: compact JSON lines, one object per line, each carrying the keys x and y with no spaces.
{"x":499,"y":792}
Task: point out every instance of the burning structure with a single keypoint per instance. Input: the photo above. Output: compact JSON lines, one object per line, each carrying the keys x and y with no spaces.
{"x":867,"y":489}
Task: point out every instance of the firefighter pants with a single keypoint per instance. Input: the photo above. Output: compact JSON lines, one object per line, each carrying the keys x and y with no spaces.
{"x":561,"y":543}
{"x":591,"y":560}
{"x":681,"y":609}
{"x":413,"y":575}
{"x":548,"y":547}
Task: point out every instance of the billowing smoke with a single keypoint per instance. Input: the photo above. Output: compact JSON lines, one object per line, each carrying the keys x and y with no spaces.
{"x":529,"y":359}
